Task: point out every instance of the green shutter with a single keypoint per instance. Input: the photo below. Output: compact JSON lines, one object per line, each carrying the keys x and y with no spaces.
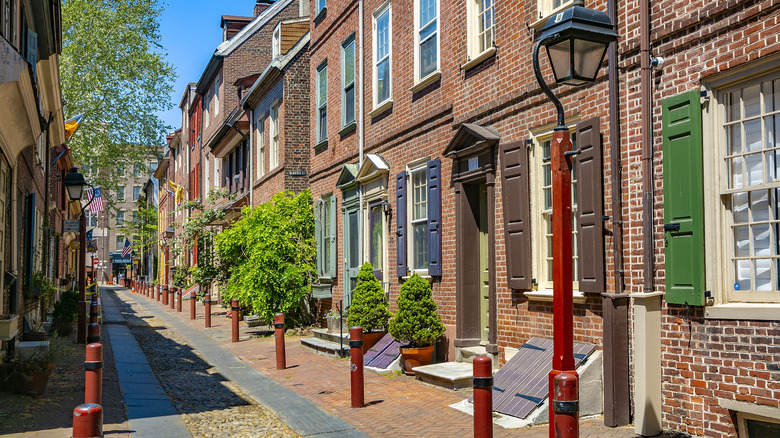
{"x":683,"y":199}
{"x":318,"y":234}
{"x":332,"y":237}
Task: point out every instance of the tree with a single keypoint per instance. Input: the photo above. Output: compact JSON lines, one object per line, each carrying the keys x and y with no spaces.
{"x":269,"y":256}
{"x":113,"y":70}
{"x":143,"y":229}
{"x":369,"y":308}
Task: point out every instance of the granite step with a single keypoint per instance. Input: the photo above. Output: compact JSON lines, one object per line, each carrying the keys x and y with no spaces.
{"x":450,"y":375}
{"x":326,"y":347}
{"x":332,"y":337}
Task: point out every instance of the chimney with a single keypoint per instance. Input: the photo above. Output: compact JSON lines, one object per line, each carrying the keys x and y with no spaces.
{"x":261,"y":6}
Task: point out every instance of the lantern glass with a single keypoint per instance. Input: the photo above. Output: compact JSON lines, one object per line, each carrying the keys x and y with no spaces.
{"x":560,"y":59}
{"x":587,"y":58}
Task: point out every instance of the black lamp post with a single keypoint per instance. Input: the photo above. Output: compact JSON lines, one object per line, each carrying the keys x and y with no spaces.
{"x":74,"y":183}
{"x":576,"y":40}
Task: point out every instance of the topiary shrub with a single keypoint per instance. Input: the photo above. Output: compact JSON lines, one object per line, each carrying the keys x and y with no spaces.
{"x":416,"y":323}
{"x":369,"y":308}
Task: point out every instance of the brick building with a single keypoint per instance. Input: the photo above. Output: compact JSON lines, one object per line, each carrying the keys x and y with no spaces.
{"x":445,"y":174}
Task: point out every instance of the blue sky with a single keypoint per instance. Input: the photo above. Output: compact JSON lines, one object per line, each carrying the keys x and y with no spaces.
{"x":190,"y":33}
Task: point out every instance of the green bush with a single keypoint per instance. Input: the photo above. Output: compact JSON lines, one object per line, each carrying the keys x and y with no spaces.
{"x":369,"y":308}
{"x":416,"y":323}
{"x":66,"y":309}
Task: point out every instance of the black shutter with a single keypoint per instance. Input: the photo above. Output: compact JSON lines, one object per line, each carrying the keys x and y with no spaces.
{"x":434,"y":218}
{"x":400,"y":222}
{"x":517,"y":214}
{"x":590,"y":207}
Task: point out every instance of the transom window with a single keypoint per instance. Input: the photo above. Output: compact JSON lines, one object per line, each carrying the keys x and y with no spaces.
{"x":546,"y":214}
{"x":751,"y":124}
{"x":427,"y":37}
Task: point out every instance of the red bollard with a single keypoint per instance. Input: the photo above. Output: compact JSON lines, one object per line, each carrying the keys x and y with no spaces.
{"x":88,"y":421}
{"x":483,"y":397}
{"x":207,"y":312}
{"x":93,"y":376}
{"x":172,"y":298}
{"x":193,"y":302}
{"x":281,"y":358}
{"x":234,"y":317}
{"x":93,"y":310}
{"x":356,"y":366}
{"x":93,"y":334}
{"x":566,"y":404}
{"x":178,"y":300}
{"x":165,"y":295}
{"x":159,"y":291}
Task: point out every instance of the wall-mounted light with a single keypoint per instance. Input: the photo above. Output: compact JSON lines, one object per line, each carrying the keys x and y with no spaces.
{"x":387,"y":209}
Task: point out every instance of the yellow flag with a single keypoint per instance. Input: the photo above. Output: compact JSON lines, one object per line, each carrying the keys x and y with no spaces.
{"x":71,"y":125}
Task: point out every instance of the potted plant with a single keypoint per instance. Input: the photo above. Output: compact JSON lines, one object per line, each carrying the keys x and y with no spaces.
{"x":9,"y":326}
{"x":369,"y":308}
{"x":65,"y":312}
{"x":29,"y":372}
{"x":416,"y":324}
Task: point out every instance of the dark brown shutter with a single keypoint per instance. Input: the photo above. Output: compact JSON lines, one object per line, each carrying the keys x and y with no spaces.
{"x":590,"y":207}
{"x":517,"y":214}
{"x":434,"y":218}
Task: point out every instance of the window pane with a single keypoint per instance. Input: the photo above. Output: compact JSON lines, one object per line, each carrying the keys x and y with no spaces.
{"x":419,"y":195}
{"x":763,"y":274}
{"x":322,"y":91}
{"x":383,"y":35}
{"x":742,"y":274}
{"x":753,"y":136}
{"x":349,"y":105}
{"x":759,"y":205}
{"x":420,"y":246}
{"x":354,"y":250}
{"x":375,"y":219}
{"x":383,"y":81}
{"x":427,"y":11}
{"x":323,"y":124}
{"x":739,"y":205}
{"x":751,"y":101}
{"x":732,"y":107}
{"x":349,"y":64}
{"x":736,"y":173}
{"x":755,"y":170}
{"x":428,"y":57}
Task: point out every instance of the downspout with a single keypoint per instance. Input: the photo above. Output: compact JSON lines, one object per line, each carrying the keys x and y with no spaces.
{"x":361,"y":137}
{"x":250,"y":161}
{"x":617,"y":394}
{"x":647,"y":305}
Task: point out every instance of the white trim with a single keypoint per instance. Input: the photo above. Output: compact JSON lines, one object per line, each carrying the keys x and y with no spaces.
{"x":417,"y":26}
{"x":487,"y":54}
{"x":227,"y":47}
{"x":384,"y":106}
{"x":546,"y":295}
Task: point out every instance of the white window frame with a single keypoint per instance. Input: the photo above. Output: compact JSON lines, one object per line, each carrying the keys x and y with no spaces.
{"x":386,"y":8}
{"x":718,"y":215}
{"x":418,"y":78}
{"x":321,"y":6}
{"x":217,"y":84}
{"x":276,"y":41}
{"x":349,"y":42}
{"x":546,"y":8}
{"x":273,"y":159}
{"x":474,"y":31}
{"x":260,"y":140}
{"x":418,"y":167}
{"x":322,"y":104}
{"x":541,"y":217}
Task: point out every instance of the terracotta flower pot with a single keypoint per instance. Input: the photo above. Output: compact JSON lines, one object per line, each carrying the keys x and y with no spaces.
{"x":414,"y":357}
{"x":370,"y":339}
{"x":27,"y":380}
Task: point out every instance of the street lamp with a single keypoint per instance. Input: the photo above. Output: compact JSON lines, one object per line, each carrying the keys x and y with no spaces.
{"x":74,"y":183}
{"x":576,"y":40}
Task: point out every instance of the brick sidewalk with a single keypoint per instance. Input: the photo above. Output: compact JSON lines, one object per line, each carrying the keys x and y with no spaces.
{"x":397,"y":405}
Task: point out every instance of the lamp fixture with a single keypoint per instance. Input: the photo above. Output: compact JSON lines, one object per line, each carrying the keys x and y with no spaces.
{"x":386,"y":209}
{"x":74,"y":182}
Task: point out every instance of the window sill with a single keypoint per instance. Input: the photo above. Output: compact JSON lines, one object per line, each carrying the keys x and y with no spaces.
{"x":348,"y":128}
{"x":747,"y":311}
{"x":320,"y":15}
{"x":479,"y":59}
{"x":384,"y":106}
{"x":424,"y":82}
{"x":424,"y":275}
{"x":547,"y":296}
{"x":538,"y":24}
{"x":321,"y":145}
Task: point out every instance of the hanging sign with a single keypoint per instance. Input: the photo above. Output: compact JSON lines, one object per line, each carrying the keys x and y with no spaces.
{"x":70,"y":226}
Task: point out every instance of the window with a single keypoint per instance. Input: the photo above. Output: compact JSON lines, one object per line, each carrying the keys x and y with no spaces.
{"x":120,"y":242}
{"x":419,"y":218}
{"x":376,"y":248}
{"x":348,"y":81}
{"x":120,"y":194}
{"x":260,"y":147}
{"x":137,"y":170}
{"x":544,"y":202}
{"x":745,"y":143}
{"x":480,"y":27}
{"x":120,"y":218}
{"x":322,"y":102}
{"x":136,"y":192}
{"x":135,"y":216}
{"x":217,"y":84}
{"x":548,"y":7}
{"x":325,"y":235}
{"x":273,"y":160}
{"x":320,"y":6}
{"x":426,"y":38}
{"x":276,"y":43}
{"x":92,"y":219}
{"x":382,"y":56}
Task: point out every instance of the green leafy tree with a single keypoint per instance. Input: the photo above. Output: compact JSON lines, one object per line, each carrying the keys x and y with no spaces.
{"x":269,"y":256}
{"x":369,"y":308}
{"x":113,"y":70}
{"x":417,"y":322}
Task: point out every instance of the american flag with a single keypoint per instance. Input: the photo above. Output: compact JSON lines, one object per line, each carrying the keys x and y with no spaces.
{"x":97,"y":204}
{"x":127,"y":249}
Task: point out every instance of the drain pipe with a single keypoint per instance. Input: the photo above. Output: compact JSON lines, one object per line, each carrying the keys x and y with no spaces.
{"x":617,"y":390}
{"x":647,"y":305}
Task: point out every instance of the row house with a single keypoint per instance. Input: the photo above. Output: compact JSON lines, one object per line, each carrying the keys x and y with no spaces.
{"x":429,"y":140}
{"x":32,"y":135}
